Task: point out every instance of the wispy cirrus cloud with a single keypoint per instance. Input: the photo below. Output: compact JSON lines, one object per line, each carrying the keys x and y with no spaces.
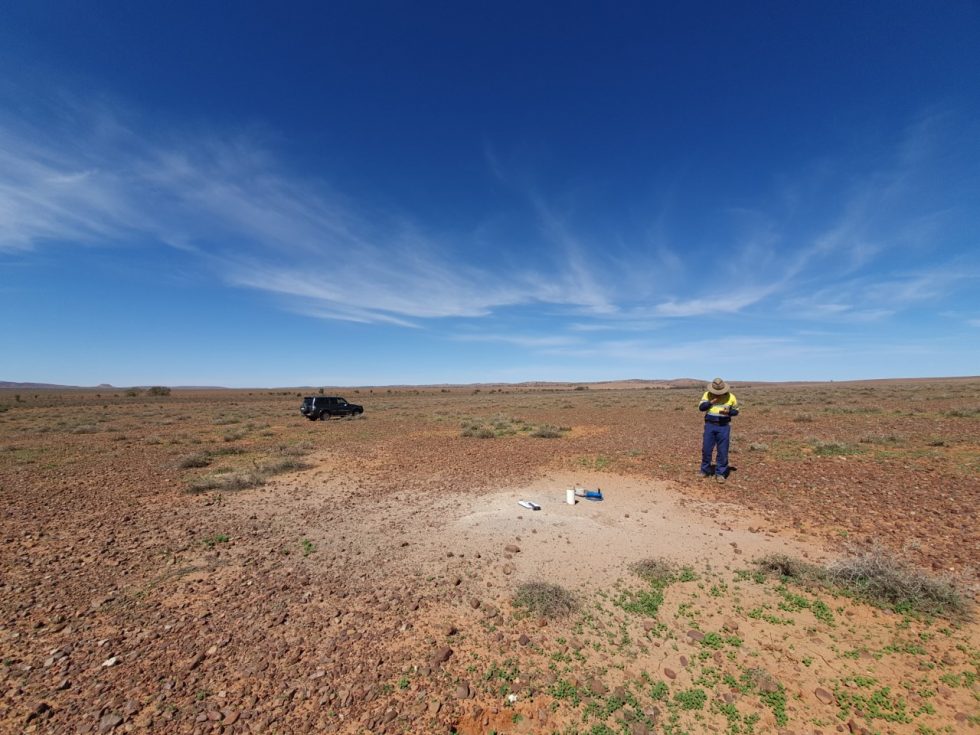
{"x":873,"y":297}
{"x":259,"y":226}
{"x":88,"y":175}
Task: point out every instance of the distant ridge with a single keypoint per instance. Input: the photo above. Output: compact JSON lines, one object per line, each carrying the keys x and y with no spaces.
{"x":634,"y":383}
{"x":10,"y":385}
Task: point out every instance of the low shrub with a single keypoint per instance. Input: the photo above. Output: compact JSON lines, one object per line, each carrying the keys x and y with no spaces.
{"x":656,"y":571}
{"x":832,"y":448}
{"x":295,"y":450}
{"x":545,"y":600}
{"x":964,"y":413}
{"x":876,"y":577}
{"x":243,"y":479}
{"x":201,"y":459}
{"x":879,"y":578}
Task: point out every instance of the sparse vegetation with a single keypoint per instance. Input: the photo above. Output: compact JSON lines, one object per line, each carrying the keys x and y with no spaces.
{"x":547,"y":431}
{"x":658,"y":572}
{"x":545,"y":600}
{"x":832,"y":448}
{"x":303,"y":560}
{"x":500,"y":426}
{"x":218,"y":538}
{"x":247,"y":478}
{"x":877,"y":577}
{"x":199,"y":459}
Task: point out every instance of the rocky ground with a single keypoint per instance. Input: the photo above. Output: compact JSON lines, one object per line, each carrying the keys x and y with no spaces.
{"x":211,"y":562}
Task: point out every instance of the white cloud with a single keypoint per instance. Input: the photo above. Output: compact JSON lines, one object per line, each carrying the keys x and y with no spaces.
{"x":256,"y":225}
{"x":95,"y":179}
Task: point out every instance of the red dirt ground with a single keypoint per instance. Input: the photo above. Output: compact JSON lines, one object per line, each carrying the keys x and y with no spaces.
{"x":324,"y":600}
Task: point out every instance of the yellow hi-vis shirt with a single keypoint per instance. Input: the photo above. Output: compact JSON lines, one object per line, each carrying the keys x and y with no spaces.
{"x":715,"y":410}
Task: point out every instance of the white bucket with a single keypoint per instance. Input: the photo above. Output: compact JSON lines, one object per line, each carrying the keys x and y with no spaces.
{"x":570,"y":496}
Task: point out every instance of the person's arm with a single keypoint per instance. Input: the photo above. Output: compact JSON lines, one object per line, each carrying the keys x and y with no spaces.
{"x":705,"y":403}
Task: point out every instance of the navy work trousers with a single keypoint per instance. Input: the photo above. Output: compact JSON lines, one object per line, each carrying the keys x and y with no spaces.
{"x":715,"y":435}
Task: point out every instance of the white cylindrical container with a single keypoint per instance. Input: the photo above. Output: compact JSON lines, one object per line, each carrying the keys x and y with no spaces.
{"x":570,"y":496}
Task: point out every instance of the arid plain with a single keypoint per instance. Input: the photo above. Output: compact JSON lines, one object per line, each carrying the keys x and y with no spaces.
{"x":210,"y":561}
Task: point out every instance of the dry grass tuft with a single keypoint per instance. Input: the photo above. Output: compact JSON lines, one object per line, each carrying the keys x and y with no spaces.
{"x":201,"y":459}
{"x":879,"y":578}
{"x":788,"y":566}
{"x":876,"y":577}
{"x":546,"y":600}
{"x":659,"y":572}
{"x":243,"y":479}
{"x":299,"y":449}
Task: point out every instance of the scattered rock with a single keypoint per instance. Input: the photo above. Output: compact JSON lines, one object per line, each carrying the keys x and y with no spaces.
{"x":442,"y":655}
{"x":695,"y":635}
{"x":41,"y":710}
{"x":597,"y":687}
{"x":512,"y":549}
{"x":463,"y":690}
{"x":823,"y":695}
{"x":109,"y":722}
{"x":670,"y":673}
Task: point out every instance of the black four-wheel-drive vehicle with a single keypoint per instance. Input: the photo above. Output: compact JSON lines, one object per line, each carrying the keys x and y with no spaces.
{"x":323,"y":407}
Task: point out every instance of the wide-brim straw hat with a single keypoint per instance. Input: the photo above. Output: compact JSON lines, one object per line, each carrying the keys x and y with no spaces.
{"x":718,"y":387}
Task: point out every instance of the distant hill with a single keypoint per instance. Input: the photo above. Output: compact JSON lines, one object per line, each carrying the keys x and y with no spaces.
{"x":8,"y":385}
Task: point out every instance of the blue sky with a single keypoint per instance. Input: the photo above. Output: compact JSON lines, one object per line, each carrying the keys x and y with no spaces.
{"x":390,"y":192}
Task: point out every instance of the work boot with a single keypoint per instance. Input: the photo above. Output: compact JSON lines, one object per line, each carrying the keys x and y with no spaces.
{"x":703,"y":474}
{"x":720,"y":478}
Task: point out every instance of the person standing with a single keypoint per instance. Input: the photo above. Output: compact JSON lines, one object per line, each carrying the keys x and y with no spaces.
{"x":719,"y":406}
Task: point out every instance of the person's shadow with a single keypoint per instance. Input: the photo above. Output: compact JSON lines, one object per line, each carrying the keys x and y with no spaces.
{"x":731,"y":468}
